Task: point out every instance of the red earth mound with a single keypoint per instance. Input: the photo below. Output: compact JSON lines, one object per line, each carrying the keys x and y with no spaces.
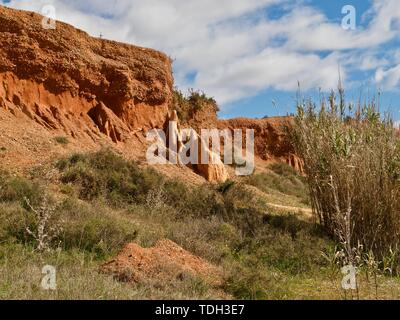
{"x":165,"y":261}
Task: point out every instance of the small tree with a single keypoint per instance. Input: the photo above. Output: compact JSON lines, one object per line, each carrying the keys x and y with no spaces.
{"x":44,"y":230}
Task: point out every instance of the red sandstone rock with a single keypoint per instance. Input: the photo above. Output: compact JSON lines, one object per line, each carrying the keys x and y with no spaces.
{"x":63,"y":80}
{"x":272,"y":138}
{"x":60,"y":77}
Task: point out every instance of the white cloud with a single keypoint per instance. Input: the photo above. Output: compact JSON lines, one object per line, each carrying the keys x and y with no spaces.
{"x":371,"y":62}
{"x":389,"y":78}
{"x":231,"y":46}
{"x":249,"y":75}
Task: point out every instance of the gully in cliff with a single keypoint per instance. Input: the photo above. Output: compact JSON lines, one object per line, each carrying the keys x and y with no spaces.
{"x":187,"y":147}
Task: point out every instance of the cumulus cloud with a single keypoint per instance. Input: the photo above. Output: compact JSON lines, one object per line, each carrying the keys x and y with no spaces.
{"x":231,"y":49}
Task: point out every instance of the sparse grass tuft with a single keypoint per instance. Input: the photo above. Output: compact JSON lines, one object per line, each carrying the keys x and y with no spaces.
{"x":61,"y":140}
{"x":282,"y":178}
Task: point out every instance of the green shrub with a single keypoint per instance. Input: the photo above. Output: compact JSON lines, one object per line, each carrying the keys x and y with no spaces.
{"x":188,"y":105}
{"x":18,"y":188}
{"x":226,"y":186}
{"x":283,"y":169}
{"x":13,"y":223}
{"x":105,"y":174}
{"x":61,"y":140}
{"x":96,"y":229}
{"x":241,"y":208}
{"x":249,"y":282}
{"x":284,"y":179}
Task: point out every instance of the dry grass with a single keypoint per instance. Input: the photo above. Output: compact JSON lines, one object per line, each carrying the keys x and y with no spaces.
{"x":264,"y":253}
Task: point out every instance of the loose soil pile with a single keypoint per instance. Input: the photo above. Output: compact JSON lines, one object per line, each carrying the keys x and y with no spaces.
{"x":165,"y":261}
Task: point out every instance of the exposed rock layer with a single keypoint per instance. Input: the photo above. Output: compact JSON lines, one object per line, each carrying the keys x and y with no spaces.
{"x":272,"y":138}
{"x":92,"y":90}
{"x":272,"y":135}
{"x":56,"y":75}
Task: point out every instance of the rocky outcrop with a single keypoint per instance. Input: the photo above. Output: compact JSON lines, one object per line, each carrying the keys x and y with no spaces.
{"x":65,"y":79}
{"x":272,"y":135}
{"x":272,"y":138}
{"x":214,"y":170}
{"x":99,"y":92}
{"x":108,"y":123}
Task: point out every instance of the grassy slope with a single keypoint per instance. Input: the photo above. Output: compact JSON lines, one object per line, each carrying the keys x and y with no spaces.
{"x":102,"y":202}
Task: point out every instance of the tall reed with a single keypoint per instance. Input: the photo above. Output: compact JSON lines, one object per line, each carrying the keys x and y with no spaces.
{"x":352,"y":162}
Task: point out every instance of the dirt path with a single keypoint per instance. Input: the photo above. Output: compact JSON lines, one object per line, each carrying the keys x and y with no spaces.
{"x":303,"y":211}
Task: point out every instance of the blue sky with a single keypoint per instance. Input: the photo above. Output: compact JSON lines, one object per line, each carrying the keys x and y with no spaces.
{"x":250,"y":54}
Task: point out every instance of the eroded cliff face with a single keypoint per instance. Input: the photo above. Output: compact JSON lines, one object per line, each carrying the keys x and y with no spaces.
{"x":65,"y":79}
{"x":98,"y":92}
{"x":271,"y":138}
